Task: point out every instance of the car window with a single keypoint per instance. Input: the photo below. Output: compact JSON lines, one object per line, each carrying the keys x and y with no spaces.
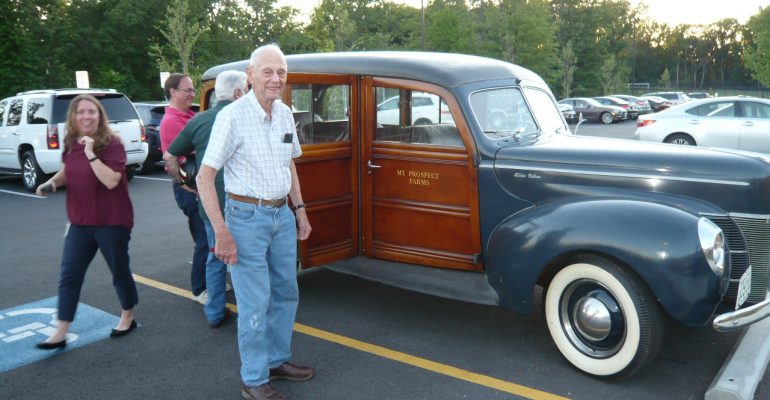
{"x":38,"y":110}
{"x":391,"y":104}
{"x":2,"y":111}
{"x":14,"y":112}
{"x":144,"y":113}
{"x":321,"y":112}
{"x":544,"y":111}
{"x":503,"y":112}
{"x":714,"y":109}
{"x":751,"y":109}
{"x":157,"y":113}
{"x":117,"y":106}
{"x":414,"y":117}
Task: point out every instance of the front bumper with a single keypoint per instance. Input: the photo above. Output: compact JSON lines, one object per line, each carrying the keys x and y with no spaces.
{"x":745,"y":316}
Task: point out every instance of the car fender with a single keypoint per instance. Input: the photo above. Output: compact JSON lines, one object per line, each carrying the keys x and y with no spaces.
{"x":658,"y":242}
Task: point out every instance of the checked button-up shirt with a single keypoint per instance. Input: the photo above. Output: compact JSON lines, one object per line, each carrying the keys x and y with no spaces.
{"x":252,"y":149}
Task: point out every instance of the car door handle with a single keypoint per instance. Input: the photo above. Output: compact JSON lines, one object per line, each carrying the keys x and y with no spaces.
{"x":693,"y":122}
{"x":748,"y":123}
{"x":16,"y":134}
{"x":372,"y":166}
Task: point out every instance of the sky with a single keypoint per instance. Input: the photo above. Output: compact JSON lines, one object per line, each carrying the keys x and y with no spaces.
{"x":672,"y":12}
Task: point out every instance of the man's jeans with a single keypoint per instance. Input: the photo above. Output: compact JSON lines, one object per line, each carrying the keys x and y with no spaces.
{"x":216,"y":279}
{"x":265,"y":283}
{"x":188,"y":203}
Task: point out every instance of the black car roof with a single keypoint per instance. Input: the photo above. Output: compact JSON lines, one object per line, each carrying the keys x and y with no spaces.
{"x":444,"y":69}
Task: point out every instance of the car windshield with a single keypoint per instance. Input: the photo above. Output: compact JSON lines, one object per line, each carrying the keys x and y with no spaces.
{"x":504,"y":112}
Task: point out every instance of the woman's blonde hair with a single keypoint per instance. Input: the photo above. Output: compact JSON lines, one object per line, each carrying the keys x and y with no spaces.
{"x":103,"y":132}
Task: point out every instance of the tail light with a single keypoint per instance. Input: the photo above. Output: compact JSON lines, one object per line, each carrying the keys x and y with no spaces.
{"x":142,"y":134}
{"x":52,"y":137}
{"x":625,"y":106}
{"x":640,"y":123}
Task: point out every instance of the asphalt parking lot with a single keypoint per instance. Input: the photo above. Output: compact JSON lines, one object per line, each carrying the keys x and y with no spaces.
{"x":366,"y":340}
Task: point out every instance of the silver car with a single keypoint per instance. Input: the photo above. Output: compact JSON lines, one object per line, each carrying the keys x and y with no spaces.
{"x":733,"y":122}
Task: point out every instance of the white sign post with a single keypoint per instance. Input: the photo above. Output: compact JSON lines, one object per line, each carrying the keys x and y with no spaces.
{"x":81,"y":79}
{"x":163,"y":76}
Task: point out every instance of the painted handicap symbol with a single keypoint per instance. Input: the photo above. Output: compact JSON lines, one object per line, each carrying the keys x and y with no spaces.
{"x":23,"y":326}
{"x":32,"y":329}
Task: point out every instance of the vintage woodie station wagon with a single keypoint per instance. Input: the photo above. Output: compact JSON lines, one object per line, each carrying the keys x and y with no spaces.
{"x":470,"y":185}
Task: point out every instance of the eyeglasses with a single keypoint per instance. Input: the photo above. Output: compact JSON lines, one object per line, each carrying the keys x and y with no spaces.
{"x":188,"y":91}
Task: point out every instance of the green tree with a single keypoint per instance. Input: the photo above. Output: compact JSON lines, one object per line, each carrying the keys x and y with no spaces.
{"x":757,"y":56}
{"x":182,"y":30}
{"x":568,"y":62}
{"x":332,"y":26}
{"x":613,"y":76}
{"x":450,"y":27}
{"x":597,"y":29}
{"x":665,"y":79}
{"x":29,"y":59}
{"x":528,"y":37}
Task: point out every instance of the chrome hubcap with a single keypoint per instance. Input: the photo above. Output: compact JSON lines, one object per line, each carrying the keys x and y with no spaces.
{"x":592,"y":319}
{"x":29,"y":172}
{"x":680,"y":141}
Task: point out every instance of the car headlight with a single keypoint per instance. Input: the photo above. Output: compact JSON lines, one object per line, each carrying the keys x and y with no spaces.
{"x":712,"y":242}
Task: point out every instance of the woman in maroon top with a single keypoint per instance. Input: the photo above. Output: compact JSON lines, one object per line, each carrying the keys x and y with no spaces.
{"x":99,"y":210}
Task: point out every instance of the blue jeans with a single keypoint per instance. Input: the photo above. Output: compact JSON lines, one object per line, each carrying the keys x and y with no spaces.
{"x":216,"y":278}
{"x":265,"y":283}
{"x":79,"y":250}
{"x":188,"y":203}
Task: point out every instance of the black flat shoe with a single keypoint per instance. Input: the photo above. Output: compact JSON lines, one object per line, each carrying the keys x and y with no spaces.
{"x":117,"y":333}
{"x":51,"y":346}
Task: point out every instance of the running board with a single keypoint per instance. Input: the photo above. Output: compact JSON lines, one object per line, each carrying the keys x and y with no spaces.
{"x":466,"y":286}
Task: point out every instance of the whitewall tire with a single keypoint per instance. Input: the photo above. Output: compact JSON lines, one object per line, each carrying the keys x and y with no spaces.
{"x":603,"y":319}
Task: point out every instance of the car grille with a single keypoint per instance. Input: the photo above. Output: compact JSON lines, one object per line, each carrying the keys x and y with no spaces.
{"x":748,"y":238}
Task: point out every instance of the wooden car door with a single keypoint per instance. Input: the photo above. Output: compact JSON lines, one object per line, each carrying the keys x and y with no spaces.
{"x":419,"y":200}
{"x":326,"y":113}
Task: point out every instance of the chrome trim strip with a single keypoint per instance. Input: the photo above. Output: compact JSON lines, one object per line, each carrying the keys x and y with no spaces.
{"x":740,"y":318}
{"x":623,"y":175}
{"x":752,"y":216}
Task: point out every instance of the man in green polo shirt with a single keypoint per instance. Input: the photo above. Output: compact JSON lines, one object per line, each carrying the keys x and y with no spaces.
{"x":230,"y":85}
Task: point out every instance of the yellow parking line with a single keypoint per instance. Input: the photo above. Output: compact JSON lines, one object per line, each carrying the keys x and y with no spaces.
{"x":439,"y":368}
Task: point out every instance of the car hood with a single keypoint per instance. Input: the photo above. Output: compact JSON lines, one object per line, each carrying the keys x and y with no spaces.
{"x":553,"y":167}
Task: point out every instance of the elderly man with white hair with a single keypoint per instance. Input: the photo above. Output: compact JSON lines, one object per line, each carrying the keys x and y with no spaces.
{"x":230,"y":85}
{"x":254,"y":140}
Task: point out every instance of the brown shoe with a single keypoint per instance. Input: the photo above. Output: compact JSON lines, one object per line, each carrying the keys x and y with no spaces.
{"x":261,"y":392}
{"x":291,"y":372}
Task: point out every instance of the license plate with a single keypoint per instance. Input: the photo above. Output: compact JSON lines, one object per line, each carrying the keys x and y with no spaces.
{"x":744,"y":288}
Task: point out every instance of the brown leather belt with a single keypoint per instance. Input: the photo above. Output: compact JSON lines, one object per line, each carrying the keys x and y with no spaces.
{"x":259,"y":202}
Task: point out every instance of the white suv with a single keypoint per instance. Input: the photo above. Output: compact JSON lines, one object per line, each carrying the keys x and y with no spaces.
{"x":426,"y":109}
{"x":32,"y":128}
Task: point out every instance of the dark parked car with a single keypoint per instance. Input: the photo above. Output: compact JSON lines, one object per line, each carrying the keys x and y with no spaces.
{"x":568,"y":112}
{"x":623,"y":236}
{"x":657,"y":103}
{"x":618,"y":102}
{"x":590,"y":109}
{"x":639,"y":104}
{"x":151,"y":113}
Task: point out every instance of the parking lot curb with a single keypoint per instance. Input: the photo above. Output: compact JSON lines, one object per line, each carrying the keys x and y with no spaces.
{"x":744,"y":367}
